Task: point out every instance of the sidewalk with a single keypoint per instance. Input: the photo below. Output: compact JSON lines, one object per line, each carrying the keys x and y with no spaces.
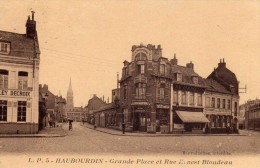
{"x":46,"y":132}
{"x":142,"y":134}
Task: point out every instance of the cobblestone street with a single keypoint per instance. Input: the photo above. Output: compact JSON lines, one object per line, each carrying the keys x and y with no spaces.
{"x":82,"y":140}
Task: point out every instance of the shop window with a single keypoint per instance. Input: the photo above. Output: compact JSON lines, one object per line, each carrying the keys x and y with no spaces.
{"x":21,"y":116}
{"x":218,"y":103}
{"x":142,"y":119}
{"x":175,"y":96}
{"x":191,"y":98}
{"x":207,"y":101}
{"x":162,"y":69}
{"x":183,"y":97}
{"x":213,"y":102}
{"x":199,"y":100}
{"x":3,"y":79}
{"x":3,"y":110}
{"x":140,"y":90}
{"x":22,"y":80}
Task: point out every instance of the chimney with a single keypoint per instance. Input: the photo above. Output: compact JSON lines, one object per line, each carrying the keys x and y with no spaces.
{"x":174,"y":61}
{"x":222,"y":64}
{"x":190,"y":65}
{"x":31,"y":27}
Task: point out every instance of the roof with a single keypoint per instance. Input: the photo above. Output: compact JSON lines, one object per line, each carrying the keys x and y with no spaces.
{"x":187,"y":74}
{"x":192,"y":117}
{"x":105,"y":107}
{"x":21,"y":46}
{"x":213,"y":85}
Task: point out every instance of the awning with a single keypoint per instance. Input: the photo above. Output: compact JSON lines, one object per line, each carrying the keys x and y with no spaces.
{"x":192,"y":117}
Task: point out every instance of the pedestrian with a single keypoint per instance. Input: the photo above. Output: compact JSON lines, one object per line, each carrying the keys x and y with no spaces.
{"x":123,"y":128}
{"x":70,"y":125}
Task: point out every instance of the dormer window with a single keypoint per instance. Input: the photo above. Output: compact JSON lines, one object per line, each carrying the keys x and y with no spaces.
{"x":179,"y":77}
{"x":195,"y":79}
{"x":4,"y":48}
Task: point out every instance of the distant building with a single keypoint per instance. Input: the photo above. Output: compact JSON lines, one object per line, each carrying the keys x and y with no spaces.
{"x":94,"y":104}
{"x":251,"y":114}
{"x":71,"y":112}
{"x":19,"y":80}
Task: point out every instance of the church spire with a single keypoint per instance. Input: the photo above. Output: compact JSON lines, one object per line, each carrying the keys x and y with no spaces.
{"x":70,"y":87}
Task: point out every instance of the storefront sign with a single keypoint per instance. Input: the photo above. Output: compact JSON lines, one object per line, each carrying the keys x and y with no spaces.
{"x":161,"y":106}
{"x":139,"y":103}
{"x":17,"y":93}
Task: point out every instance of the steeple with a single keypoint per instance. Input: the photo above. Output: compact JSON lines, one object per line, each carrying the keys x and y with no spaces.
{"x":70,"y":87}
{"x":70,"y":103}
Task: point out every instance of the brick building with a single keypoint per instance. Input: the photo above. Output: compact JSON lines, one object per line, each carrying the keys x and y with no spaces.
{"x":19,"y":80}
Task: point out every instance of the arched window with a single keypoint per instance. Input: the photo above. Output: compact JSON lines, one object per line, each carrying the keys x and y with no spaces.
{"x":162,"y":69}
{"x":22,"y":80}
{"x":3,"y":79}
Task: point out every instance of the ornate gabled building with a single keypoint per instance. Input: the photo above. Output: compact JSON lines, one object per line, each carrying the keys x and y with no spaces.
{"x":19,"y":80}
{"x":145,"y":89}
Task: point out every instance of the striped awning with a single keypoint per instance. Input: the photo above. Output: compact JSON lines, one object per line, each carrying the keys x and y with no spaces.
{"x":192,"y":117}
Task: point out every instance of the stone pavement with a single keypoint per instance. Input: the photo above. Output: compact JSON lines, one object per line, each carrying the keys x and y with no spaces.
{"x":119,"y":132}
{"x":46,"y":132}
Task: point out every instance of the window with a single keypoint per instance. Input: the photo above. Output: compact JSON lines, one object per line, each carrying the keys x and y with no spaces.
{"x":22,"y":80}
{"x":213,"y":102}
{"x":3,"y":79}
{"x":183,"y":97}
{"x":228,"y":104}
{"x":179,"y":77}
{"x":175,"y":96}
{"x":3,"y":110}
{"x":199,"y":100}
{"x":125,"y":91}
{"x":195,"y":79}
{"x":235,"y":108}
{"x":4,"y":47}
{"x":207,"y":101}
{"x":218,"y":103}
{"x":21,"y":111}
{"x":161,"y":91}
{"x":140,"y":68}
{"x":224,"y":104}
{"x":191,"y":98}
{"x":162,"y":69}
{"x":140,"y":90}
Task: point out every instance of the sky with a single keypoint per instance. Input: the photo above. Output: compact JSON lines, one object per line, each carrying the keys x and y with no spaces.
{"x":88,"y":41}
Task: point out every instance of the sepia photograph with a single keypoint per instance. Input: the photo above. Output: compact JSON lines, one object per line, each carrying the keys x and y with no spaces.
{"x":110,"y":83}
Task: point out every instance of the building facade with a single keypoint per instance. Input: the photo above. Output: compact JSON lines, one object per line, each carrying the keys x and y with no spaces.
{"x":252,"y":114}
{"x":222,"y":99}
{"x":19,"y":80}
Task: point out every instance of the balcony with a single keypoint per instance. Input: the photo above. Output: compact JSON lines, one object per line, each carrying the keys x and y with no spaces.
{"x":140,"y":79}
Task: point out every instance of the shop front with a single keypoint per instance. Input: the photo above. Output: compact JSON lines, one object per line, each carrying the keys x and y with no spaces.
{"x":140,"y":116}
{"x":162,"y":118}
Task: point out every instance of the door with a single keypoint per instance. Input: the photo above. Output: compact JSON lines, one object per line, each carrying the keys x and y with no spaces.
{"x":136,"y":124}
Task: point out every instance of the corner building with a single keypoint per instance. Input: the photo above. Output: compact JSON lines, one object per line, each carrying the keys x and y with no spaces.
{"x":19,"y":80}
{"x":145,"y":90}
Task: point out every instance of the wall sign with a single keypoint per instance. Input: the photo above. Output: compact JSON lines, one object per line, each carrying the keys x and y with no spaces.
{"x":18,"y":93}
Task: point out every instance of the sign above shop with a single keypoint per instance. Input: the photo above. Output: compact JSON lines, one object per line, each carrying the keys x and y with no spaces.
{"x":139,"y":103}
{"x":17,"y":93}
{"x":161,"y":106}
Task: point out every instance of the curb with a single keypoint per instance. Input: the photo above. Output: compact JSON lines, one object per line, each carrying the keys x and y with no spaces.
{"x":163,"y":135}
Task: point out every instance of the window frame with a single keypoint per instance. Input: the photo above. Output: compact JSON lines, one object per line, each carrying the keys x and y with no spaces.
{"x":21,"y":111}
{"x":3,"y":110}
